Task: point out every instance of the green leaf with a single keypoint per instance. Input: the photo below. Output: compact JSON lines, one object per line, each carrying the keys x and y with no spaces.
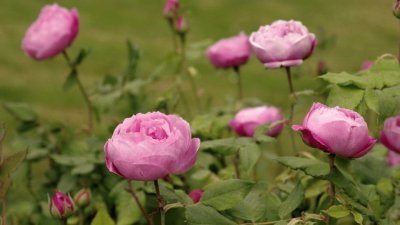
{"x":21,"y":111}
{"x":292,"y":201}
{"x":71,"y":80}
{"x":82,"y":169}
{"x":337,"y":211}
{"x":226,"y":146}
{"x":372,"y":99}
{"x":102,"y":217}
{"x":385,"y":187}
{"x":128,"y":211}
{"x":133,"y":59}
{"x":358,"y":217}
{"x":11,"y":163}
{"x":249,"y":156}
{"x":173,"y":196}
{"x":346,"y":79}
{"x":80,"y":57}
{"x":203,"y":215}
{"x":66,"y":182}
{"x":346,"y":97}
{"x":226,"y":194}
{"x":311,"y":167}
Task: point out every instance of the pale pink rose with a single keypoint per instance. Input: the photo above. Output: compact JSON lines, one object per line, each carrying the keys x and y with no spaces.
{"x":248,"y":119}
{"x":390,"y":135}
{"x":336,"y":130}
{"x":170,"y":8}
{"x":150,"y":146}
{"x":367,"y":65}
{"x":283,"y":44}
{"x":61,"y":205}
{"x":393,"y":159}
{"x":196,"y":195}
{"x":230,"y":52}
{"x":52,"y":32}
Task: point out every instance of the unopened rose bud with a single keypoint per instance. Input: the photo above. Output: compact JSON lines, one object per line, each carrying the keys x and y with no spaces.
{"x":196,"y":195}
{"x":367,"y":65}
{"x":83,"y":197}
{"x":61,"y":205}
{"x":171,"y":8}
{"x":396,"y":9}
{"x":181,"y":25}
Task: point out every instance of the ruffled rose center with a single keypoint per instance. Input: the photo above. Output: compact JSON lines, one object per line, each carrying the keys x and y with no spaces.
{"x":156,"y":129}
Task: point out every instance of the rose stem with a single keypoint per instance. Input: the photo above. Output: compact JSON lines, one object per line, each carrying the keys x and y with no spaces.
{"x":3,"y":213}
{"x":142,"y":209}
{"x":161,"y":203}
{"x":331,"y":184}
{"x":83,"y":92}
{"x":182,"y":39}
{"x":239,"y":83}
{"x":172,"y":28}
{"x":292,"y":105}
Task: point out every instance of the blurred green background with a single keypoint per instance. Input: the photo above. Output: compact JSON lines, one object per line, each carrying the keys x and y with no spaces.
{"x":356,"y":31}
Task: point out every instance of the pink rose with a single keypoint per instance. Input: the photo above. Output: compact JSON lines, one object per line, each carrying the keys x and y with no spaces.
{"x":170,"y":8}
{"x":150,"y":146}
{"x":230,"y":52}
{"x":283,"y":44}
{"x":367,"y":65}
{"x":390,"y":135}
{"x":181,"y":25}
{"x":51,"y":33}
{"x":336,"y":130}
{"x":61,"y":205}
{"x":196,"y":195}
{"x":393,"y":159}
{"x":247,"y":120}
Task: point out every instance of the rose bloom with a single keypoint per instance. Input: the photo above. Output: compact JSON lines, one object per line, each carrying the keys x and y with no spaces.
{"x":248,"y":119}
{"x":390,"y":135}
{"x":229,"y":52}
{"x":336,"y":130}
{"x":393,"y":159}
{"x":282,"y":44}
{"x":51,"y":33}
{"x":196,"y":195}
{"x":150,"y":146}
{"x":61,"y":205}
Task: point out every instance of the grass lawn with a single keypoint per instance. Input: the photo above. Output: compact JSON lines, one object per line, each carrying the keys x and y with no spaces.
{"x":359,"y":31}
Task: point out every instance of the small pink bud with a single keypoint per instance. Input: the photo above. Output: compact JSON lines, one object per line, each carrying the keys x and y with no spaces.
{"x":171,"y":8}
{"x":396,"y":9}
{"x":196,"y":194}
{"x":83,"y":197}
{"x":61,"y":205}
{"x":367,"y":65}
{"x":181,"y":25}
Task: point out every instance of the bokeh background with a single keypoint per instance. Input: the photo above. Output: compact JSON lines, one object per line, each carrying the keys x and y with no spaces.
{"x":349,"y":31}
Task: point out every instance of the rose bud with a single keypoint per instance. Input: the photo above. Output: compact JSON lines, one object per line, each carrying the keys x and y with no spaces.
{"x":230,"y":52}
{"x":247,"y":120}
{"x":181,"y":25}
{"x":196,"y":194}
{"x":150,"y":146}
{"x":83,"y":197}
{"x":396,"y":9}
{"x":336,"y":131}
{"x":51,"y":33}
{"x":61,"y":205}
{"x":283,"y":44}
{"x":393,"y":159}
{"x":171,"y":8}
{"x":367,"y":65}
{"x":390,"y":135}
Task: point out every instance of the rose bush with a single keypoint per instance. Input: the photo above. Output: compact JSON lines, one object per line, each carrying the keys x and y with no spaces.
{"x":53,"y":31}
{"x":150,"y":146}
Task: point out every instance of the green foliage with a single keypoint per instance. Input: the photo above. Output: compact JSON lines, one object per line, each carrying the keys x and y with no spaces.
{"x":292,"y":201}
{"x":102,"y":217}
{"x":204,"y":215}
{"x":312,"y":167}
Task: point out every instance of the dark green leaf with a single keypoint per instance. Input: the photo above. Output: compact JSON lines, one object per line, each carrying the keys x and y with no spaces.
{"x":203,"y":215}
{"x":82,"y":169}
{"x":311,"y":167}
{"x":80,"y":57}
{"x":133,"y":59}
{"x":71,"y":80}
{"x":292,"y":201}
{"x":226,"y":194}
{"x":226,"y":146}
{"x":172,"y":196}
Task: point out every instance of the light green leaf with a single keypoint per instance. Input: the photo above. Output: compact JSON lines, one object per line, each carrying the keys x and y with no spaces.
{"x":292,"y":201}
{"x":226,"y":146}
{"x":346,"y":97}
{"x":311,"y":167}
{"x":82,"y":169}
{"x":226,"y":194}
{"x":128,"y":211}
{"x":203,"y":215}
{"x":337,"y":211}
{"x":102,"y":217}
{"x":249,"y":156}
{"x":358,"y":217}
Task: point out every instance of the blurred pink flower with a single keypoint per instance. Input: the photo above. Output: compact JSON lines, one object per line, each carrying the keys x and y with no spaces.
{"x":196,"y":195}
{"x":150,"y":146}
{"x":230,"y":52}
{"x":390,"y":134}
{"x":247,"y":120}
{"x":393,"y":159}
{"x":367,"y":65}
{"x":171,"y":7}
{"x":181,"y":25}
{"x":283,"y":44}
{"x":336,"y":130}
{"x":52,"y":32}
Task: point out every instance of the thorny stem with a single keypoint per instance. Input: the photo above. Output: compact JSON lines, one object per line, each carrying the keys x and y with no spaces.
{"x":239,"y":83}
{"x":292,"y":105}
{"x":161,"y":203}
{"x":83,"y":91}
{"x":142,"y":209}
{"x":332,"y":192}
